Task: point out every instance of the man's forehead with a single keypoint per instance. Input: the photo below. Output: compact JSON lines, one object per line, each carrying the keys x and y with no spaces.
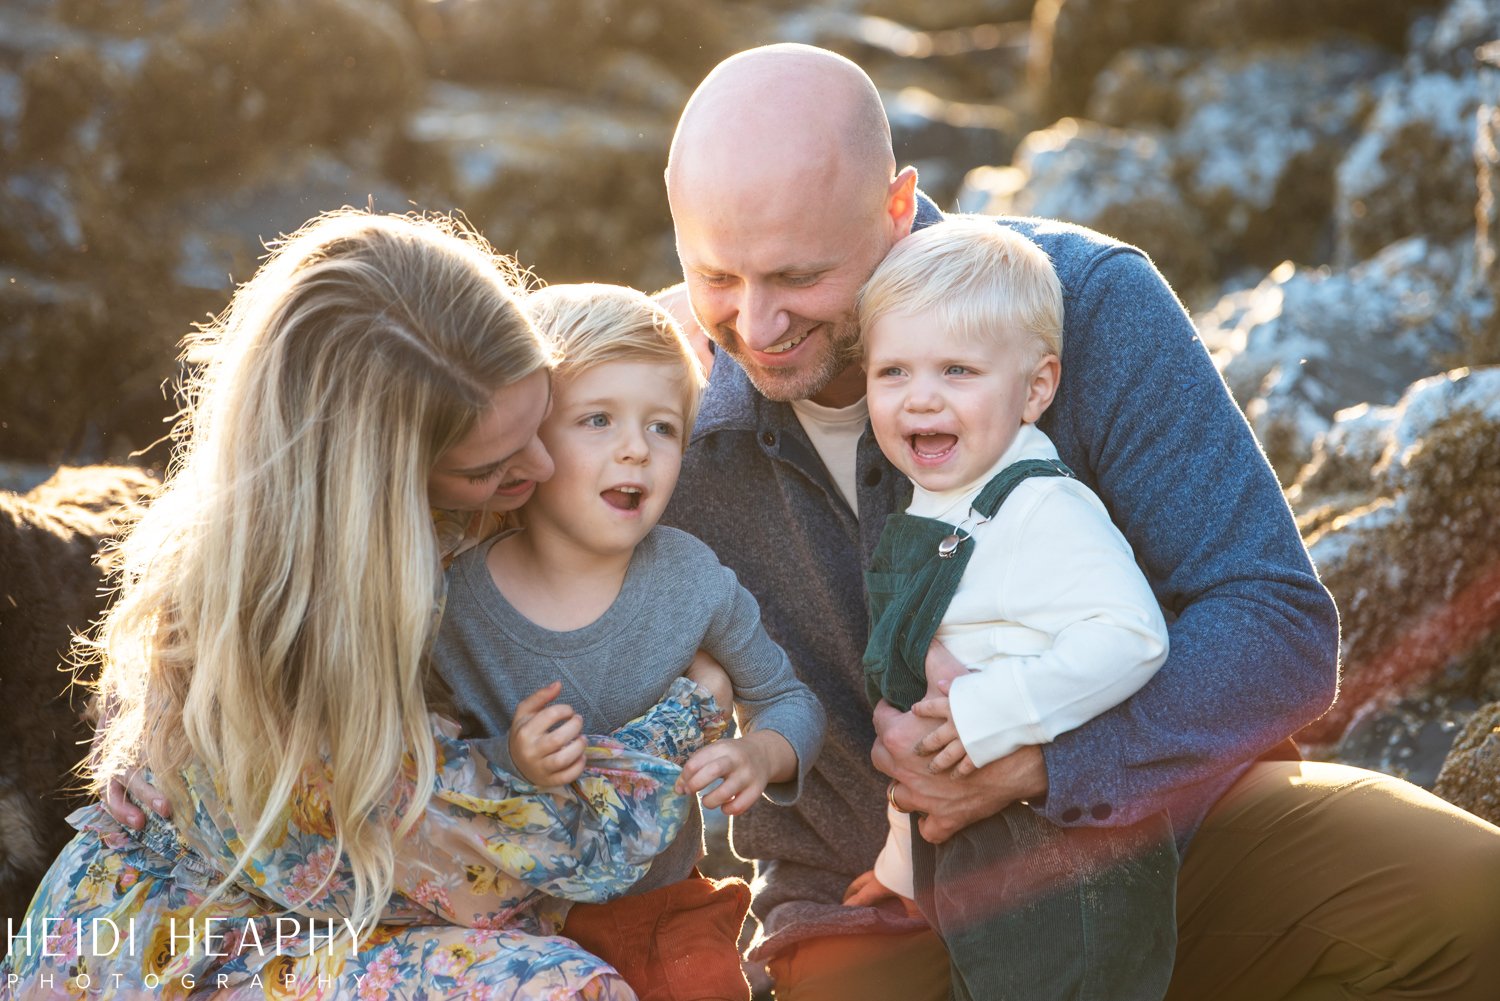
{"x":747,"y":251}
{"x":774,"y":234}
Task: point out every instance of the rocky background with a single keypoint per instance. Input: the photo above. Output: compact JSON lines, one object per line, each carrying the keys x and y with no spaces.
{"x":1320,"y":179}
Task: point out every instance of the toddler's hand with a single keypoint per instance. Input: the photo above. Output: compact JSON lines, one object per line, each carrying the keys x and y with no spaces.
{"x":706,"y":673}
{"x":745,"y":764}
{"x":546,"y":741}
{"x":943,"y":744}
{"x":867,"y":890}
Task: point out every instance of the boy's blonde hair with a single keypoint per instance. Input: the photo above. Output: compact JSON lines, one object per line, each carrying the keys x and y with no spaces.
{"x":977,"y":277}
{"x":595,"y":323}
{"x":276,"y":601}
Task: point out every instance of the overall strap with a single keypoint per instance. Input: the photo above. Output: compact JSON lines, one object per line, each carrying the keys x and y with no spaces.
{"x":912,"y":580}
{"x":999,"y":487}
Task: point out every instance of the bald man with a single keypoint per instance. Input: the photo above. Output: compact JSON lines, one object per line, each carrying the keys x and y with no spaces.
{"x":1299,"y":879}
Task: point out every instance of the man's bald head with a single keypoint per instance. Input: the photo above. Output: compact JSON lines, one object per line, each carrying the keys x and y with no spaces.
{"x":785,"y":197}
{"x":788,"y":115}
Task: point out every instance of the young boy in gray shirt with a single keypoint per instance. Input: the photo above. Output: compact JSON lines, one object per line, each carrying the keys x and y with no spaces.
{"x":591,"y":602}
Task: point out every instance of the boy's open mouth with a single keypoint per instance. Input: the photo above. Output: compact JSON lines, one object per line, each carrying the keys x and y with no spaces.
{"x":932,"y":445}
{"x":623,"y":498}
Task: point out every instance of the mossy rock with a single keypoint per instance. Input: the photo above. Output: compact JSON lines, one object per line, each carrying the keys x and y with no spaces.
{"x":1471,"y":775}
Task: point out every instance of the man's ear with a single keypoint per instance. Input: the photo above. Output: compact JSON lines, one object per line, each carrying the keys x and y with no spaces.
{"x":675,"y":300}
{"x":1041,"y":387}
{"x":901,"y":203}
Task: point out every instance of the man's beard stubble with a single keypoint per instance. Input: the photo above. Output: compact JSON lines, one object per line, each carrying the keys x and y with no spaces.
{"x":842,"y":348}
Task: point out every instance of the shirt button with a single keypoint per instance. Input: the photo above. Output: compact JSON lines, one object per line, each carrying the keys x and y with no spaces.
{"x":768,"y":438}
{"x":1101,"y":811}
{"x":1071,"y":814}
{"x":872,"y":478}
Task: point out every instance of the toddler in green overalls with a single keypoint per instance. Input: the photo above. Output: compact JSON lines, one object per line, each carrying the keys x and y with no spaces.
{"x":1011,"y":562}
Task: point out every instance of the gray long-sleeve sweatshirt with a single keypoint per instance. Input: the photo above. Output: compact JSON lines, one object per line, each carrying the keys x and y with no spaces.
{"x":676,"y":599}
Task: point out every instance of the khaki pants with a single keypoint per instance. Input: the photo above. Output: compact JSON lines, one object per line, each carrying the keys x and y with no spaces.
{"x":1308,"y":881}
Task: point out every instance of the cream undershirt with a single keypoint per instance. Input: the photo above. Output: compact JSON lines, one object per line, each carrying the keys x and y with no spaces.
{"x":835,"y":435}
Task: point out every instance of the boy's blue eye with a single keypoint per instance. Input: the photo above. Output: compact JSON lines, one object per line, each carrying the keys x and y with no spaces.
{"x":957,"y":370}
{"x":664,"y":428}
{"x":596,"y":421}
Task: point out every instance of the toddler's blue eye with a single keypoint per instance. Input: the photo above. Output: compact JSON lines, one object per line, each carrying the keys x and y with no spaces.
{"x":957,"y":370}
{"x":664,"y":428}
{"x":596,"y":421}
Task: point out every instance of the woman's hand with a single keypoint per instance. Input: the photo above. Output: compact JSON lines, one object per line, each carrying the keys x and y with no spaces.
{"x":125,"y":812}
{"x":115,"y":801}
{"x":546,"y":741}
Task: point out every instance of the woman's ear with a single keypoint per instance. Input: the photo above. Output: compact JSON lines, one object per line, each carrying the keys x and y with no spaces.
{"x":1041,"y":387}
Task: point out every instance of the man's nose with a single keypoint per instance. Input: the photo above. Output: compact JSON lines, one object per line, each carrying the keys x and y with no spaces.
{"x":760,"y":321}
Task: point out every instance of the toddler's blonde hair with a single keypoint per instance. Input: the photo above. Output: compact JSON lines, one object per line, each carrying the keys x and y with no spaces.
{"x":596,"y":323}
{"x":978,"y":278}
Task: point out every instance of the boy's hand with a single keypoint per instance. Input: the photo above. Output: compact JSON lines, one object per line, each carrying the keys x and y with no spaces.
{"x":706,"y":673}
{"x":745,"y":764}
{"x":546,"y":741}
{"x":943,"y":745}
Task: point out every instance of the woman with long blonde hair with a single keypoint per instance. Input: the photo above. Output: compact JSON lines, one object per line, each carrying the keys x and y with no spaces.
{"x":266,"y":663}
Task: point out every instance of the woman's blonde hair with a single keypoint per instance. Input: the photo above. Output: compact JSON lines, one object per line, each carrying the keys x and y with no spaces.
{"x":593,"y":323}
{"x":975,"y":276}
{"x":277,"y":599}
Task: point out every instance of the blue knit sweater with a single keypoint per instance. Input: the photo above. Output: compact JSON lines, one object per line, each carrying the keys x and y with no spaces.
{"x":1145,"y":420}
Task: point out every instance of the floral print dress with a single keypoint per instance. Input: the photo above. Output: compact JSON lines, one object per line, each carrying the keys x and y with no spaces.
{"x":482,"y":882}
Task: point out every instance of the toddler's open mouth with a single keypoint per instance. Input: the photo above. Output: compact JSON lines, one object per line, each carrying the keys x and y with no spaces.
{"x":626,"y":498}
{"x":932,"y":445}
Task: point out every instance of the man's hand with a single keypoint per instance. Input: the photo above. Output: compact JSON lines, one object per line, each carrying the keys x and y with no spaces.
{"x":943,"y":744}
{"x":745,"y":764}
{"x":949,"y":803}
{"x":942,"y":668}
{"x":546,"y":741}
